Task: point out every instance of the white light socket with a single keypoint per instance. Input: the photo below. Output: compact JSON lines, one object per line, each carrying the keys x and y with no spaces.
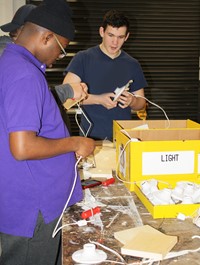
{"x":89,"y":255}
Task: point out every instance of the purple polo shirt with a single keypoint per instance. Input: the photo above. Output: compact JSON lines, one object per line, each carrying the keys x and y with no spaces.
{"x":26,"y":104}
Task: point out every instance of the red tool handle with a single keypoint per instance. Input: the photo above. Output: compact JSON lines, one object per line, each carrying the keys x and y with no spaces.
{"x":108,"y":182}
{"x":90,"y":212}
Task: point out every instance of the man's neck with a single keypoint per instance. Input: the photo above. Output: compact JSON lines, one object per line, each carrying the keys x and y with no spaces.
{"x":112,"y":56}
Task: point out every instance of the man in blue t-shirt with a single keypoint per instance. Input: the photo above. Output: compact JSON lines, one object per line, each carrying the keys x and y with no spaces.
{"x":38,"y":175}
{"x":104,"y":68}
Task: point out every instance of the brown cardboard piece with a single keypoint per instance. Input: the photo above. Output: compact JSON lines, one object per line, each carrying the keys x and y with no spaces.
{"x":146,"y":242}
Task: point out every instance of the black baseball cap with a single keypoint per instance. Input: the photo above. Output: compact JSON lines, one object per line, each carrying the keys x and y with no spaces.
{"x":18,"y":19}
{"x":54,"y":15}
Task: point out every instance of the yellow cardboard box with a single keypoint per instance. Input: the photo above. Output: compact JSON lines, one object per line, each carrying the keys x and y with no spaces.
{"x":169,"y":155}
{"x":152,"y":124}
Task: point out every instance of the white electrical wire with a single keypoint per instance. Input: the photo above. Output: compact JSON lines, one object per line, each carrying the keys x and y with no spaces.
{"x":126,"y":133}
{"x":109,"y":249}
{"x":132,"y":182}
{"x":150,"y":261}
{"x":76,"y":118}
{"x":118,"y":162}
{"x":143,"y":261}
{"x":56,"y":229}
{"x":156,"y":105}
{"x":122,"y":261}
{"x":90,"y":124}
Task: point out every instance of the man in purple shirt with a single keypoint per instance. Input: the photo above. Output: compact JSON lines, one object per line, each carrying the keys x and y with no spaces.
{"x":37,"y":154}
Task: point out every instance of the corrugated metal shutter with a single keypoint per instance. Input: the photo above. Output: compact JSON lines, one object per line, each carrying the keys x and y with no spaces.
{"x":165,"y":38}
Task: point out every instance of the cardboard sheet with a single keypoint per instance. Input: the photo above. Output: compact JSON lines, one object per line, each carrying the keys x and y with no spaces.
{"x":145,"y":242}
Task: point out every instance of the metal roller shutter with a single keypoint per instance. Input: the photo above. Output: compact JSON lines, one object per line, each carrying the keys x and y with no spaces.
{"x":165,"y":38}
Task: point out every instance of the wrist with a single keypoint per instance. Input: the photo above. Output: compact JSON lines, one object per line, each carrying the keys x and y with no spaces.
{"x":133,"y":101}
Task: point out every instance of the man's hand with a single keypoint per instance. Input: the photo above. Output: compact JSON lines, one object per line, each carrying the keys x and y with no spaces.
{"x":126,"y":99}
{"x":80,"y":90}
{"x":106,"y":100}
{"x":135,"y":101}
{"x":85,"y":146}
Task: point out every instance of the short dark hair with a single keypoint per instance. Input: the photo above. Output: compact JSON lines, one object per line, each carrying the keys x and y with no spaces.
{"x":115,"y":19}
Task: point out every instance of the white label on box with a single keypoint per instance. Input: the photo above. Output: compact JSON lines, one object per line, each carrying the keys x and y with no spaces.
{"x":175,"y":162}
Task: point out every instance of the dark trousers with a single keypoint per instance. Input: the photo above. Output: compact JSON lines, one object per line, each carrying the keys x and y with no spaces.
{"x":41,"y":249}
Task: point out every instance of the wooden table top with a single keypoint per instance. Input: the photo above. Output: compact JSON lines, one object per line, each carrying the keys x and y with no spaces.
{"x":120,"y":210}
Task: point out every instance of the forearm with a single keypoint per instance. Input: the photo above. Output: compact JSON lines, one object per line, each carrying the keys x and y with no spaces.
{"x":105,"y":100}
{"x":92,"y":100}
{"x":28,"y":146}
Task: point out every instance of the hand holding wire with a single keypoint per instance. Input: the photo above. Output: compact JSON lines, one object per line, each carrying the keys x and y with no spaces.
{"x":126,"y":99}
{"x":84,"y":146}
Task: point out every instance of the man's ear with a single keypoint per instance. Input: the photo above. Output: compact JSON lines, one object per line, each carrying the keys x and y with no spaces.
{"x":47,"y":36}
{"x":101,"y":31}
